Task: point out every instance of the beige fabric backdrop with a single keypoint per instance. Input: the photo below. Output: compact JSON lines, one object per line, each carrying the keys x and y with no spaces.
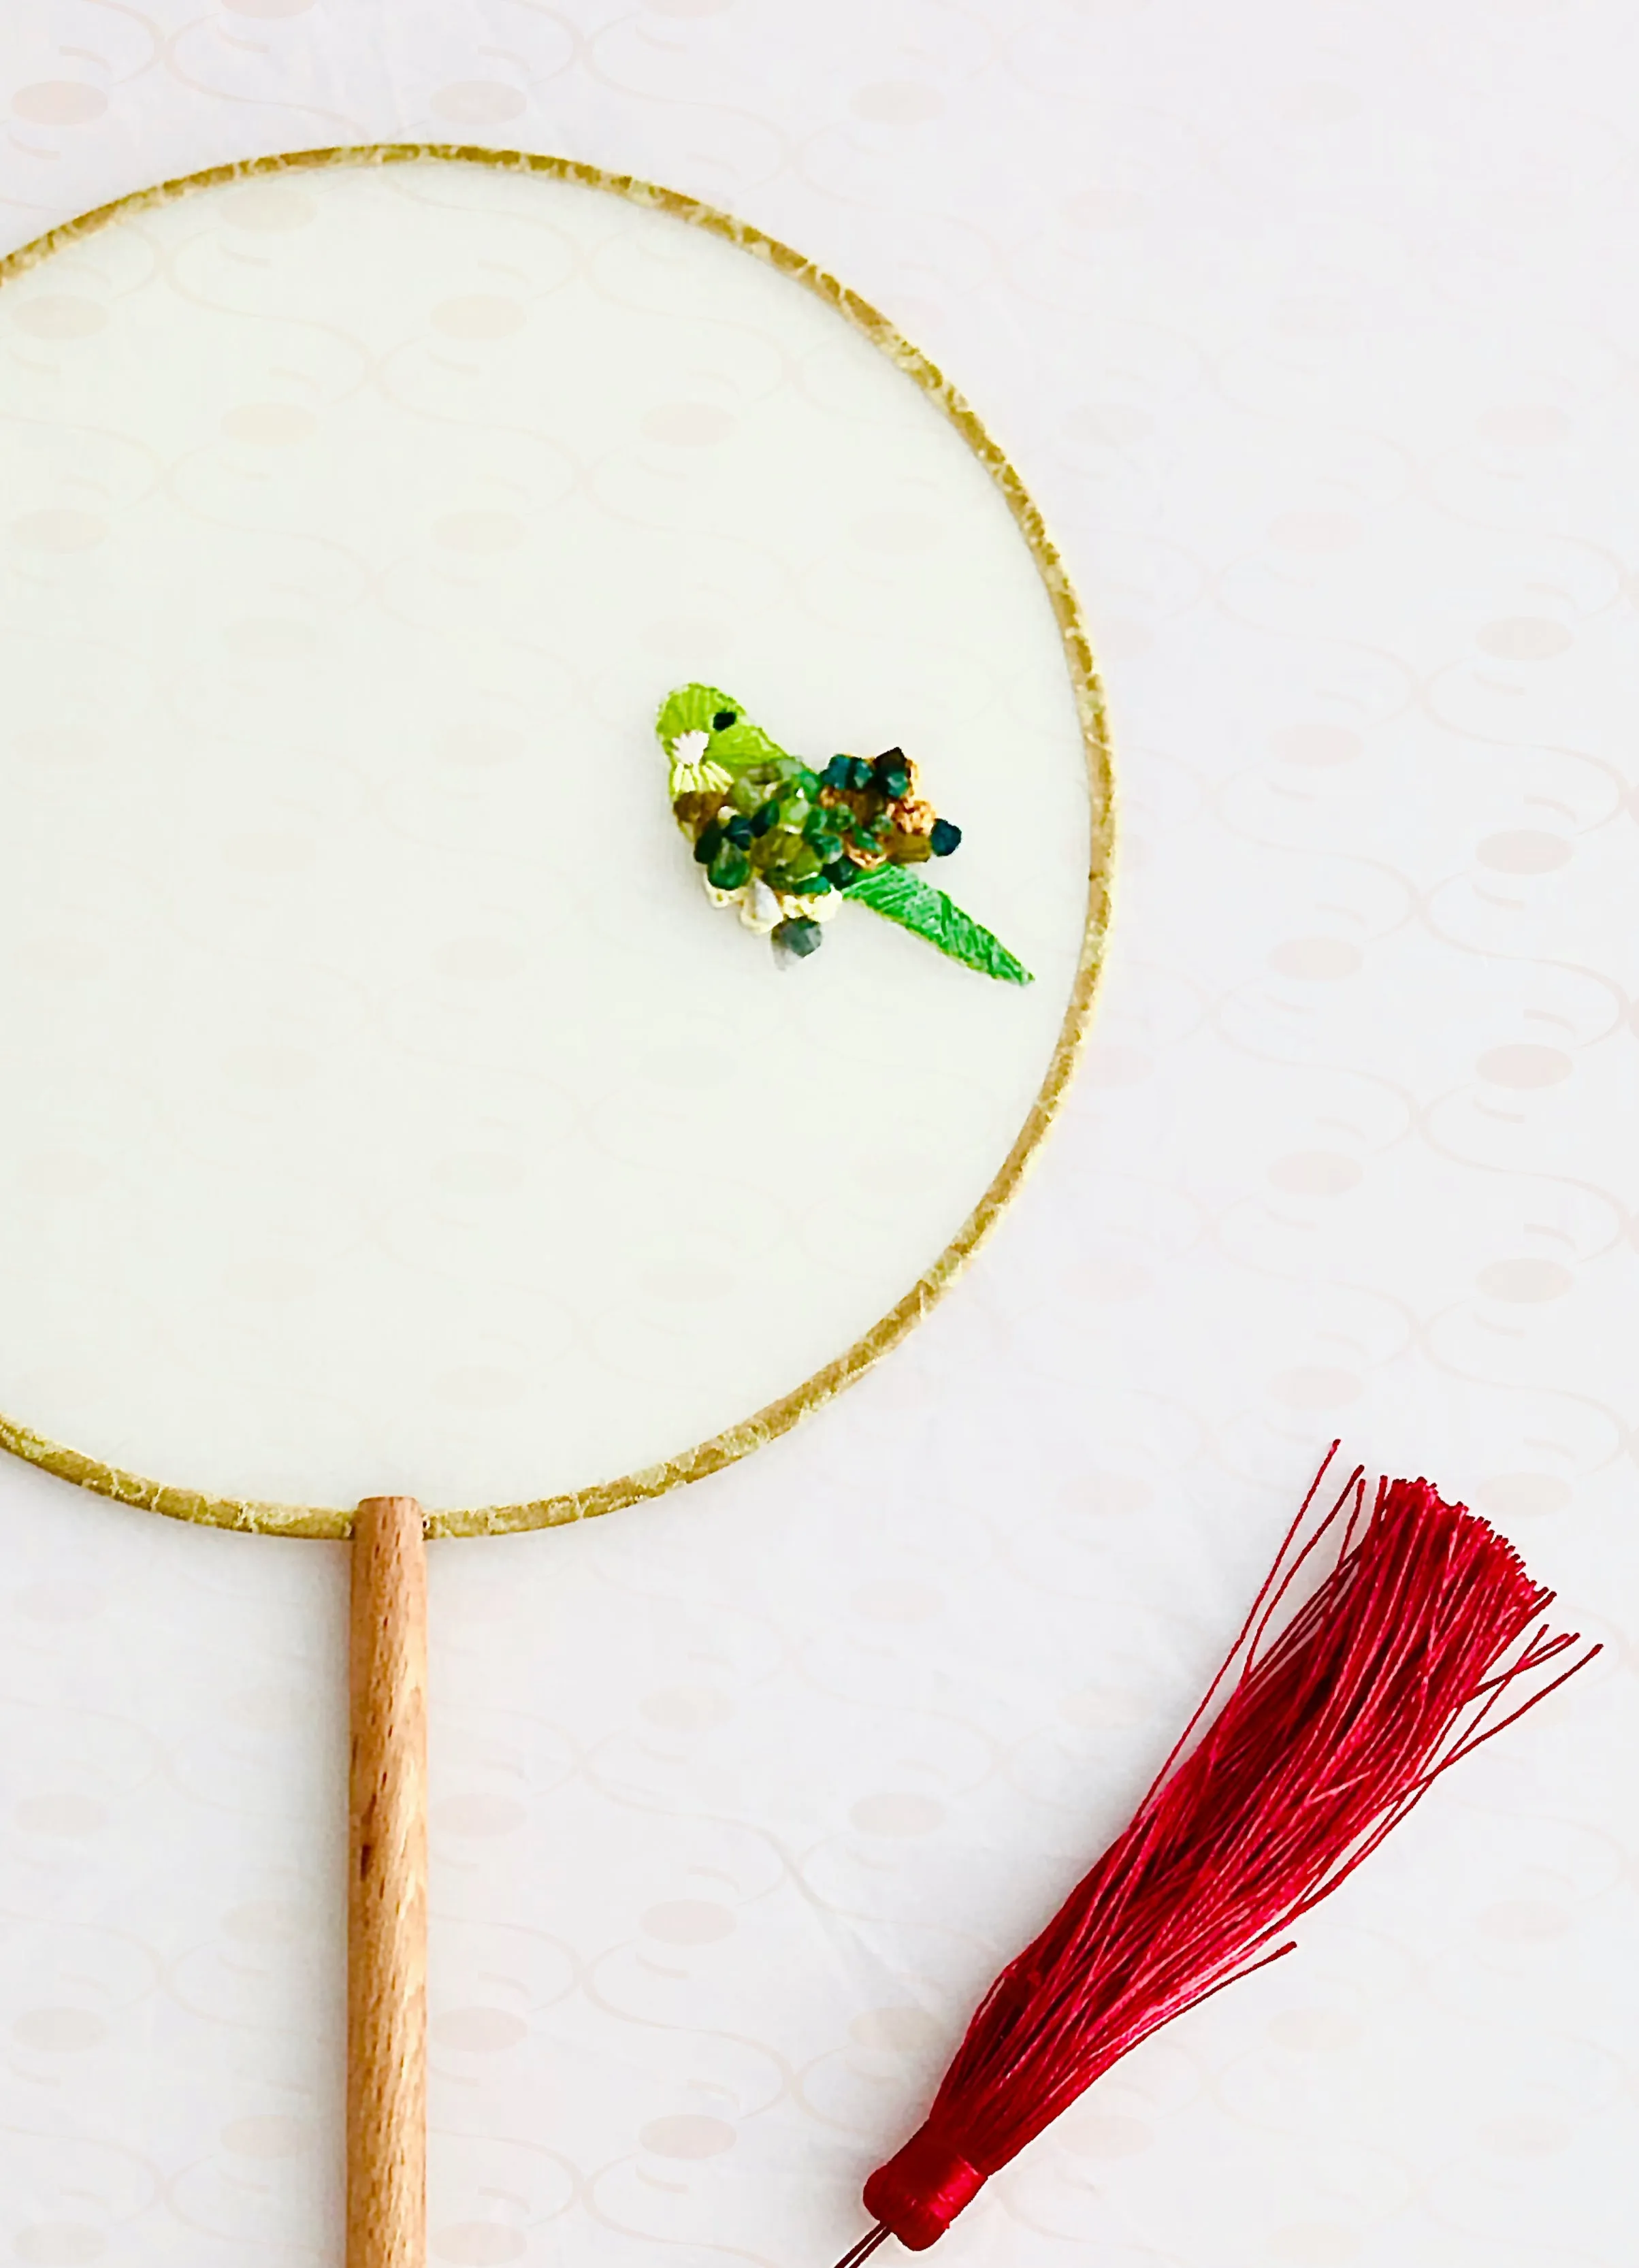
{"x":1313,"y":330}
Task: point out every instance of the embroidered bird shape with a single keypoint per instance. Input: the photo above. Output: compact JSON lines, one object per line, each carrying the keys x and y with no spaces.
{"x":786,"y":841}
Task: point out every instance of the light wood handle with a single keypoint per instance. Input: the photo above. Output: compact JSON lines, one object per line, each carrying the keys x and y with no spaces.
{"x":386,"y":1901}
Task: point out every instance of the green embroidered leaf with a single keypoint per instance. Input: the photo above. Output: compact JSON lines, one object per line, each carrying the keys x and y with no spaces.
{"x":901,"y":895}
{"x":738,"y":747}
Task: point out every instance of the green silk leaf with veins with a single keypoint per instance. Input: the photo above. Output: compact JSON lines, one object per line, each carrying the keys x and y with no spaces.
{"x":737,"y":748}
{"x":899,"y":894}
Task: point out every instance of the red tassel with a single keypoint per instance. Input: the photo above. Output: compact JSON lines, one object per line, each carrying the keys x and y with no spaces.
{"x":1331,"y":1730}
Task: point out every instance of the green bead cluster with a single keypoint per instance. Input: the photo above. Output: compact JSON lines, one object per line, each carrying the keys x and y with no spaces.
{"x":775,"y":825}
{"x":784,"y":840}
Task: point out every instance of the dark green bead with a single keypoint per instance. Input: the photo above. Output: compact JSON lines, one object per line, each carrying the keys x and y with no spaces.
{"x":840,"y":873}
{"x":860,"y":774}
{"x":707,"y":843}
{"x":729,"y":869}
{"x":764,"y":817}
{"x":891,"y":774}
{"x":820,"y":834}
{"x":944,"y":837}
{"x":797,"y":940}
{"x":739,"y":832}
{"x":838,"y":772}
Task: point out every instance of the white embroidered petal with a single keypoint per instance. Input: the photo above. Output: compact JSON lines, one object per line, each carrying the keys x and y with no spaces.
{"x":689,"y":748}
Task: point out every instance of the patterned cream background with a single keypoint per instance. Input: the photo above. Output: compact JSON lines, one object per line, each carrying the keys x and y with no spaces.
{"x":1314,"y":333}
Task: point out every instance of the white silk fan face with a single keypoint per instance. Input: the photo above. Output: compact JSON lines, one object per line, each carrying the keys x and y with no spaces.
{"x":385,"y":1106}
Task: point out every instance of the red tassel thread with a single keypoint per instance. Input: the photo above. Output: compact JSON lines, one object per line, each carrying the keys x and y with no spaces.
{"x":1332,"y":1731}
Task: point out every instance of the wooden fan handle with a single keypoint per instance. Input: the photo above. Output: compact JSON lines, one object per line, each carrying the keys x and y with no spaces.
{"x":386,"y":1904}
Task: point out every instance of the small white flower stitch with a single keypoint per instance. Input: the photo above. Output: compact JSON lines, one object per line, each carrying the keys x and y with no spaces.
{"x":691,"y":771}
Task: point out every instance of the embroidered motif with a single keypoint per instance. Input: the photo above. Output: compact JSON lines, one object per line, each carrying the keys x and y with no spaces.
{"x":785,"y":843}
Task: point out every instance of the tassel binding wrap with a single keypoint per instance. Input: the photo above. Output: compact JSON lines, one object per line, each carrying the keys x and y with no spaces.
{"x":1334,"y":1725}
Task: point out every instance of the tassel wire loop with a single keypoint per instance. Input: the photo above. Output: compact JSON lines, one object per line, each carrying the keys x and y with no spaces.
{"x":866,"y":2246}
